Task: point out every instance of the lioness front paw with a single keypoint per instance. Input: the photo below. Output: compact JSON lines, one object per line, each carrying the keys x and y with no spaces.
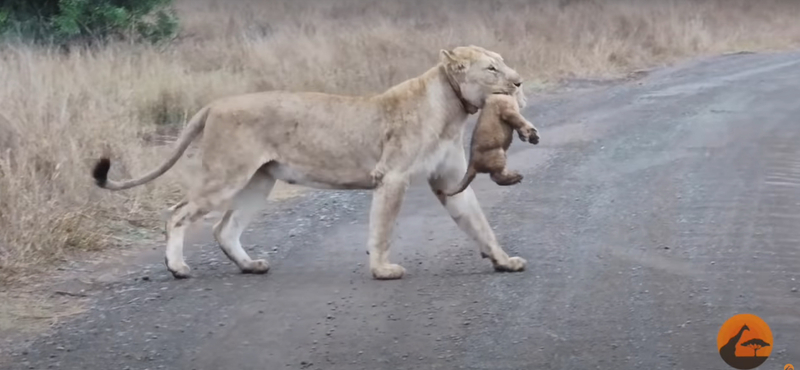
{"x":388,"y":272}
{"x":179,"y":270}
{"x":514,"y":264}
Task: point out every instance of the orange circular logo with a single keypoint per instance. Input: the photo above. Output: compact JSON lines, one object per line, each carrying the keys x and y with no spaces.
{"x":744,"y":341}
{"x":788,"y":367}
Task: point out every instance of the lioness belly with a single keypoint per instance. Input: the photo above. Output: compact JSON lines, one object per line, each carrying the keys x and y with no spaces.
{"x":321,"y":178}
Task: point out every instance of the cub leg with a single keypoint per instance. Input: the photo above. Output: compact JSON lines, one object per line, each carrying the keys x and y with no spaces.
{"x":506,"y":177}
{"x":495,"y":162}
{"x":526,"y":130}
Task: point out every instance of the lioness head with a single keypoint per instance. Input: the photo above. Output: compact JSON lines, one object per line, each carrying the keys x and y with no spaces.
{"x":479,"y":73}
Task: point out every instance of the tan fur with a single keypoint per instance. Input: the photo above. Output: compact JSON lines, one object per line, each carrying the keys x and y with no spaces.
{"x":331,"y":141}
{"x":492,"y":136}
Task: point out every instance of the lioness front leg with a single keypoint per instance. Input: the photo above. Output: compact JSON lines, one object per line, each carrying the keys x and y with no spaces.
{"x":386,"y":202}
{"x":466,"y":211}
{"x":395,"y":157}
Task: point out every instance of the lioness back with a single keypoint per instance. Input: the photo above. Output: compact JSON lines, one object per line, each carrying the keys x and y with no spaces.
{"x":303,"y":126}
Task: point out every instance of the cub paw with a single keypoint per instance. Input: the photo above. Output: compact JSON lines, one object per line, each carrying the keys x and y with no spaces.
{"x":529,"y":134}
{"x":507,"y":178}
{"x":377,"y":176}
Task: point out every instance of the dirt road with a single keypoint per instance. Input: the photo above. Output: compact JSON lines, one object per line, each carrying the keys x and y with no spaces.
{"x":651,"y":212}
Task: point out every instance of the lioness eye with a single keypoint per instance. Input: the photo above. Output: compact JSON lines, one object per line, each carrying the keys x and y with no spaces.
{"x":492,"y":68}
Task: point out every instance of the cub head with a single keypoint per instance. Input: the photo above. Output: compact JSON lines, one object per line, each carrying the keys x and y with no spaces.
{"x":479,"y":73}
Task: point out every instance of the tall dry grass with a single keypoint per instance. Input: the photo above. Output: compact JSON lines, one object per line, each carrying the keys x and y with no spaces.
{"x":59,"y":112}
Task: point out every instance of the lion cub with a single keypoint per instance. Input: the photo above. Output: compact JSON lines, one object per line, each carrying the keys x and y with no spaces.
{"x":492,"y":136}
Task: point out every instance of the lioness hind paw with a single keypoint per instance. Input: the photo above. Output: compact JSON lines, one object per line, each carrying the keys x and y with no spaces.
{"x":514,"y":264}
{"x":260,"y":266}
{"x":388,"y":272}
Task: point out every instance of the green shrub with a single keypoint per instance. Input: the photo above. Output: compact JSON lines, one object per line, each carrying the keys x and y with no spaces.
{"x":65,"y":21}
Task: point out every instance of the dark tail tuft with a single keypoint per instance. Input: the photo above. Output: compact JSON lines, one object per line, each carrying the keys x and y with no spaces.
{"x":100,"y":172}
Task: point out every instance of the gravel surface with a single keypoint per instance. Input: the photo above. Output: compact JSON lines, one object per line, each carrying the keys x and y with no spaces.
{"x":651,"y":211}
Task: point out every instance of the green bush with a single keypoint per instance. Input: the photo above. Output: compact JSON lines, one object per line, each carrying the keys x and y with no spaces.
{"x":65,"y":21}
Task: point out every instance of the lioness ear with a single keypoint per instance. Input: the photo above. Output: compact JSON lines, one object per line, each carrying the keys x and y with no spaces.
{"x":448,"y":58}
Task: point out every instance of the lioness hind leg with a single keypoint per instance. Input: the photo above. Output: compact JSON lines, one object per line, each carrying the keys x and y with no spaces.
{"x":245,"y":205}
{"x":209,"y":197}
{"x":466,"y":212}
{"x":184,"y":214}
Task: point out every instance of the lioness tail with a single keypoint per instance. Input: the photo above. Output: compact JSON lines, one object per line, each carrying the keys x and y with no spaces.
{"x":195,"y":126}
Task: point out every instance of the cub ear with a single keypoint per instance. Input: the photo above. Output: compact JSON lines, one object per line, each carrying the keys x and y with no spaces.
{"x":451,"y":60}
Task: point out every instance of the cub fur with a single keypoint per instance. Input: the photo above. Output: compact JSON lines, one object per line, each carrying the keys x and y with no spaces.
{"x":492,"y":136}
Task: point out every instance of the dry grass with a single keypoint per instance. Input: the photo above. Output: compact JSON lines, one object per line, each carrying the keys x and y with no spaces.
{"x":59,"y":112}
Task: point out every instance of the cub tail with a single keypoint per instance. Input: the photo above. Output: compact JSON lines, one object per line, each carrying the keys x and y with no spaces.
{"x":468,"y":177}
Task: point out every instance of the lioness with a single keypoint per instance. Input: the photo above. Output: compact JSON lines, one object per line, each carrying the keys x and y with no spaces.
{"x":330,"y":141}
{"x":492,"y":136}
